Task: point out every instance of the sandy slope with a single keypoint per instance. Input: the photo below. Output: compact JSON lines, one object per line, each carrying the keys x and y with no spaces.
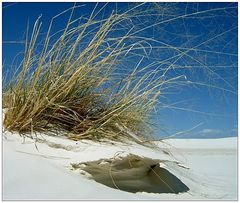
{"x":43,"y":171}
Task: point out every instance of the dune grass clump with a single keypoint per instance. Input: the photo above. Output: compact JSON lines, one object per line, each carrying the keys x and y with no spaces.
{"x":101,"y":75}
{"x":71,"y":85}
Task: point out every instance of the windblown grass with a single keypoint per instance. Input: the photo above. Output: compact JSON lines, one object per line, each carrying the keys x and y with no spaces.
{"x":70,"y":85}
{"x":70,"y":81}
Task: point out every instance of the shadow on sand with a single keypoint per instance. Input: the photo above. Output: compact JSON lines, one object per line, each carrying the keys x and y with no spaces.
{"x":133,"y":174}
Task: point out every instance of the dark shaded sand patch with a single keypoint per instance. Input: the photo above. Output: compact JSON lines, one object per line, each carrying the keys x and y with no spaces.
{"x":133,"y":174}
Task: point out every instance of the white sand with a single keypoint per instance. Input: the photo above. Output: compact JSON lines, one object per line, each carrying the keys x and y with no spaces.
{"x":208,"y":167}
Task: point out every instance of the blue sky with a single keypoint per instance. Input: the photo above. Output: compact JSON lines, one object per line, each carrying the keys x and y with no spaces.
{"x":207,"y":30}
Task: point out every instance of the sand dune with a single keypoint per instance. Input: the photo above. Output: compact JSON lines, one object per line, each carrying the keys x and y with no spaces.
{"x":43,"y":170}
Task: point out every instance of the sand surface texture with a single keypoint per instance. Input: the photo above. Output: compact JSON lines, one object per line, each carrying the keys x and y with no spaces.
{"x":61,"y":169}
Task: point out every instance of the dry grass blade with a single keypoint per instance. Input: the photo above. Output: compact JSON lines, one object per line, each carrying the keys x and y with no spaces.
{"x":64,"y":88}
{"x":75,"y":81}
